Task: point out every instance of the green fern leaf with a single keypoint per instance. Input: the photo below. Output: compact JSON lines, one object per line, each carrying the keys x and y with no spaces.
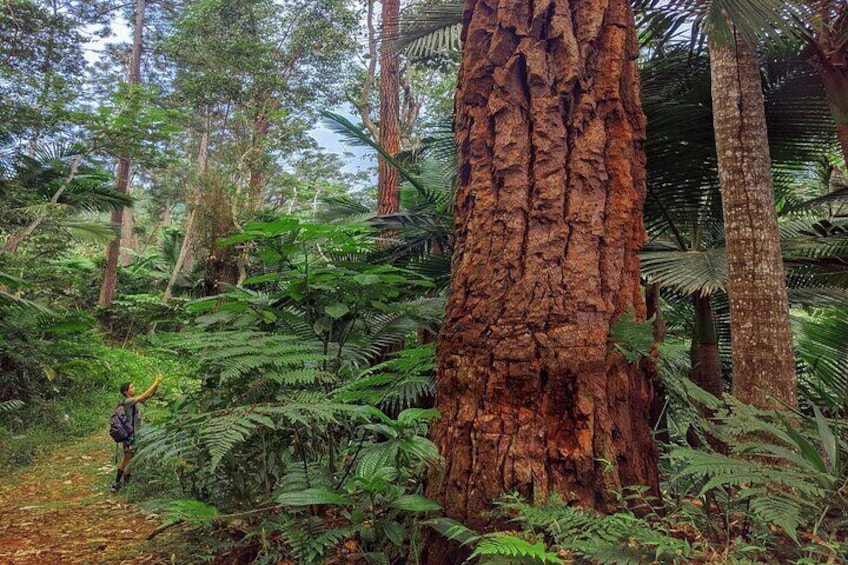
{"x":510,"y":546}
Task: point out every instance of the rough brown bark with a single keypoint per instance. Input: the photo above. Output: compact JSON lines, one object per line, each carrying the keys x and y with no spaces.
{"x":706,"y":363}
{"x":388,"y":179}
{"x":548,"y":225}
{"x":761,"y":339}
{"x":123,"y":218}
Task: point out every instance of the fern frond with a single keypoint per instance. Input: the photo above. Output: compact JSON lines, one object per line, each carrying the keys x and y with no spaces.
{"x":9,"y":405}
{"x":504,"y":545}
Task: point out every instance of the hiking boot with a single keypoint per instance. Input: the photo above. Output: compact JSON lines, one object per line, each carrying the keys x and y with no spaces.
{"x":115,"y":487}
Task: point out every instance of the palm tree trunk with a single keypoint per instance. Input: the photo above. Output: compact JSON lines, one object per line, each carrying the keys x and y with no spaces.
{"x":706,"y":363}
{"x":551,"y":186}
{"x":123,"y":218}
{"x":388,"y":179}
{"x":761,"y":340}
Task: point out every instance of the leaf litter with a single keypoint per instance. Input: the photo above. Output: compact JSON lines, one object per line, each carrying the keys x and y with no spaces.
{"x":60,"y":511}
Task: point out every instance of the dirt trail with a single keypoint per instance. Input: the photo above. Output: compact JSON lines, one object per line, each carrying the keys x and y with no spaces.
{"x":60,"y":511}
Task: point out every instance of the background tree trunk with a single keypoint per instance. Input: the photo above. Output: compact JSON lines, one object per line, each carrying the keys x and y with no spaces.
{"x":835,"y":79}
{"x":706,"y":363}
{"x":123,"y":218}
{"x":827,"y":39}
{"x":388,"y":179}
{"x":761,"y":339}
{"x":548,"y":226}
{"x":192,"y":204}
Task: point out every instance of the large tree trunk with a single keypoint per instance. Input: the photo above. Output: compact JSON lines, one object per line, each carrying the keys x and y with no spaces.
{"x":761,"y":340}
{"x":548,"y":225}
{"x":123,"y":218}
{"x":388,"y":179}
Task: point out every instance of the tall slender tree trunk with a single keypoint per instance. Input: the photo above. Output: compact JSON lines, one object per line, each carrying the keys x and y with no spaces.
{"x":128,"y":241}
{"x":761,"y":340}
{"x":706,"y":363}
{"x":256,"y":164}
{"x":123,"y":217}
{"x":551,"y":185}
{"x":192,"y":204}
{"x":388,"y":179}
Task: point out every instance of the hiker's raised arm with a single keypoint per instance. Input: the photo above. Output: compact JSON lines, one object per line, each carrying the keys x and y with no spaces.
{"x":144,"y":396}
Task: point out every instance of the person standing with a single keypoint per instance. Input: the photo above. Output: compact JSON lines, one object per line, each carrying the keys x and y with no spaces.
{"x":132,"y":407}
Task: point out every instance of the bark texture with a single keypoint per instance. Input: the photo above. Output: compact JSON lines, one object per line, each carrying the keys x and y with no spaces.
{"x":123,"y":218}
{"x":388,"y":179}
{"x":761,"y":340}
{"x":548,"y":224}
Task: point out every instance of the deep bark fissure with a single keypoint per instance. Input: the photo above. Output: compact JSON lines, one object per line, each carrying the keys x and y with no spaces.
{"x":548,"y":227}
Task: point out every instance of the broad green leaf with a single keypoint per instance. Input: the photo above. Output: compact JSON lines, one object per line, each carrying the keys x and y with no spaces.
{"x":415,"y":503}
{"x":336,"y":310}
{"x":395,"y":532}
{"x":312,"y":496}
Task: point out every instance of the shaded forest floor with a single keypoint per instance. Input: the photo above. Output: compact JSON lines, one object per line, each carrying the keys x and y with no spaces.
{"x":60,"y":510}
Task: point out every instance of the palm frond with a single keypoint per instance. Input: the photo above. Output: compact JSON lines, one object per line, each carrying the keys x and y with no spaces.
{"x":430,"y":31}
{"x":688,"y":272}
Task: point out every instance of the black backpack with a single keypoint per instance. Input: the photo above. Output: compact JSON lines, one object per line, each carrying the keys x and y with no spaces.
{"x":121,"y":424}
